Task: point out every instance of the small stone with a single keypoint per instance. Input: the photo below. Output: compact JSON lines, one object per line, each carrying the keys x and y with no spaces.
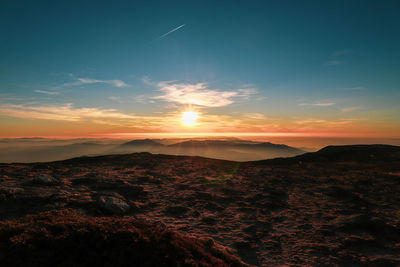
{"x":113,"y":204}
{"x":45,"y":179}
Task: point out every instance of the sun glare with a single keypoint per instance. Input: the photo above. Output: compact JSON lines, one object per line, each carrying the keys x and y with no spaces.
{"x":189,"y":118}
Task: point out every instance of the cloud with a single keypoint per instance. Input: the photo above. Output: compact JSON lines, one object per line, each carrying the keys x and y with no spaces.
{"x":46,"y":92}
{"x":82,"y":81}
{"x":69,"y":113}
{"x":171,"y":121}
{"x":257,"y":116}
{"x":332,"y":63}
{"x":349,"y":109}
{"x":115,"y":83}
{"x":88,"y":80}
{"x":311,"y":121}
{"x":147,"y":81}
{"x":166,"y":121}
{"x":247,"y":92}
{"x":328,"y":123}
{"x":171,"y":31}
{"x":115,"y":98}
{"x":318,"y":104}
{"x":65,"y":112}
{"x":141,"y":99}
{"x":199,"y":94}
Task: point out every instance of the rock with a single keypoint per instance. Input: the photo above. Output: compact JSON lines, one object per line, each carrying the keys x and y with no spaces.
{"x":45,"y":179}
{"x":113,"y":204}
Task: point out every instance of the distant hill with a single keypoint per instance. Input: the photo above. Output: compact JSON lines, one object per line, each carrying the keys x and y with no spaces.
{"x":232,"y":149}
{"x":227,"y":149}
{"x":202,"y":143}
{"x":141,"y":142}
{"x":51,"y":152}
{"x":357,"y":153}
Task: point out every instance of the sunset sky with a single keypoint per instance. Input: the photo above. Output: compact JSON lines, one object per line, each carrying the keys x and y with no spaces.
{"x":291,"y":68}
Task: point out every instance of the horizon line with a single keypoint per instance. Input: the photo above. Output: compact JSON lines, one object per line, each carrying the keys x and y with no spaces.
{"x":207,"y":134}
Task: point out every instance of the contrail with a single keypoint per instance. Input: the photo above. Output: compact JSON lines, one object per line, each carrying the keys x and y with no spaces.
{"x":171,"y":31}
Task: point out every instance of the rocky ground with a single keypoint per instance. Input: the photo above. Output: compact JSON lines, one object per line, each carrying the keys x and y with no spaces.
{"x":336,"y":207}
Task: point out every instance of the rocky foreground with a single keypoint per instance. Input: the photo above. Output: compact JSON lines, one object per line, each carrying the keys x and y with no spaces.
{"x":339,"y":206}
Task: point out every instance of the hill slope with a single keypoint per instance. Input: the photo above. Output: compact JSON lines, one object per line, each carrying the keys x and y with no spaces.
{"x":66,"y":237}
{"x":349,"y":153}
{"x":330,"y":208}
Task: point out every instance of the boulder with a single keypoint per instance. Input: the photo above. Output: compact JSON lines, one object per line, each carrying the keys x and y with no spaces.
{"x":45,"y":179}
{"x":113,"y":204}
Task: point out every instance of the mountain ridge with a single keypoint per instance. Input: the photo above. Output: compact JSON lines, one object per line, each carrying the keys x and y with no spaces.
{"x":359,"y":152}
{"x":331,"y":152}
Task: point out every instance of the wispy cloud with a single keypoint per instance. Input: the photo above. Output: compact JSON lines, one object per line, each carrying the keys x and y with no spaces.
{"x":46,"y":92}
{"x":318,"y":104}
{"x":115,"y":83}
{"x":83,"y":81}
{"x":247,"y":92}
{"x":313,"y":122}
{"x":199,"y":94}
{"x":171,"y":121}
{"x":349,"y":109}
{"x":140,"y":99}
{"x":332,"y":63}
{"x":115,"y":98}
{"x":257,"y":116}
{"x":171,"y":31}
{"x":68,"y":112}
{"x":65,"y":112}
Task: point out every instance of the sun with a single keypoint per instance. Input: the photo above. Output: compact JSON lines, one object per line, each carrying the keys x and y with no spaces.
{"x":189,"y":118}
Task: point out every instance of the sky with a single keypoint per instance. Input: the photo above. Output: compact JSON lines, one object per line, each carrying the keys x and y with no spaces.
{"x":272,"y":68}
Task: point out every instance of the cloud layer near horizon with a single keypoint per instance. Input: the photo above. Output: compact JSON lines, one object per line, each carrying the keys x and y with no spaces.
{"x":171,"y":121}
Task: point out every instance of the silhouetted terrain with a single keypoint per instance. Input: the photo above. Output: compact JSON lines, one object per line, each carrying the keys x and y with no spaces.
{"x":339,"y":206}
{"x":41,"y":149}
{"x":239,"y":150}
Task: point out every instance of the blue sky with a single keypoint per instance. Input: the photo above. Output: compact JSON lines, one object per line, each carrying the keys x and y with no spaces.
{"x":292,"y":62}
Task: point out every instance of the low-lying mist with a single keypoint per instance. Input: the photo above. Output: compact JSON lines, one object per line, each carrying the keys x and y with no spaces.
{"x":47,"y":149}
{"x":43,"y":149}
